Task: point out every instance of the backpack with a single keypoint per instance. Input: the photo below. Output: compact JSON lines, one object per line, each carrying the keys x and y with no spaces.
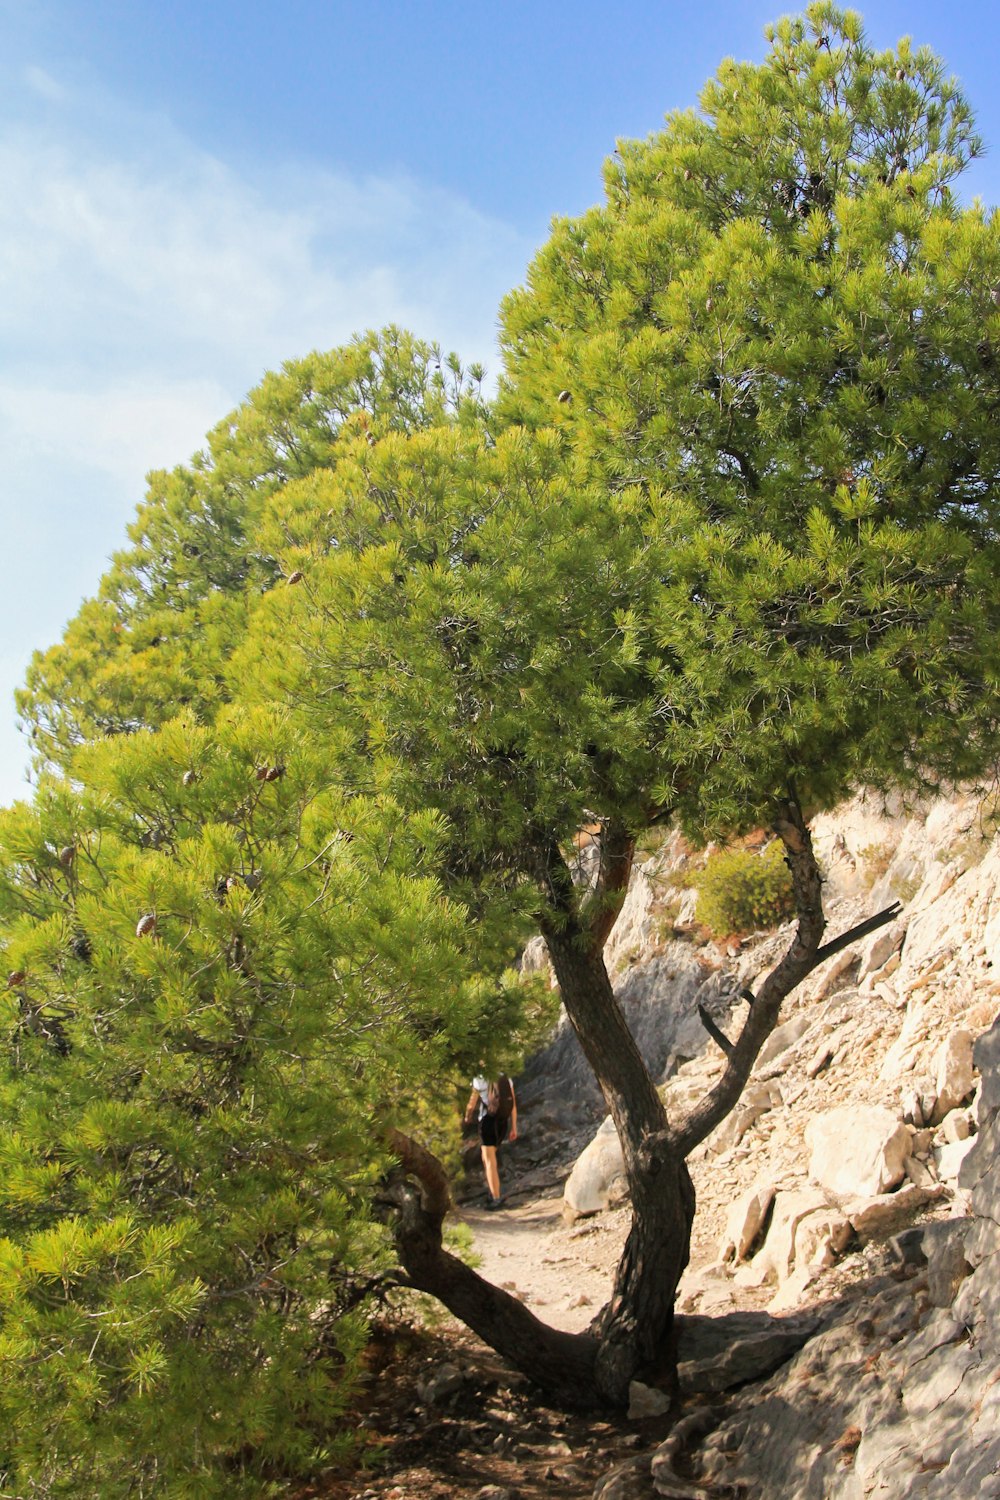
{"x":500,"y":1098}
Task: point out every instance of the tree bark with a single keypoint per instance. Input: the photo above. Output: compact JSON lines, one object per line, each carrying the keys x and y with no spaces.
{"x":636,"y":1325}
{"x":633,"y":1334}
{"x":563,"y":1363}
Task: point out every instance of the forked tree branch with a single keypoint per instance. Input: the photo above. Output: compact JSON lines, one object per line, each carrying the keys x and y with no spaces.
{"x":799,"y":960}
{"x":562,"y":1362}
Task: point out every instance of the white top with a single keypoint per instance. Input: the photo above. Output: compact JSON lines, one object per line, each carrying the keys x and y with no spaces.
{"x":482,"y":1088}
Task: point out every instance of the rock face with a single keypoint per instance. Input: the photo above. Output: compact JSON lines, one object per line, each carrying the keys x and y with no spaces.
{"x":858,"y":1178}
{"x":660,"y":1000}
{"x":898,"y":1395}
{"x":862,"y":1102}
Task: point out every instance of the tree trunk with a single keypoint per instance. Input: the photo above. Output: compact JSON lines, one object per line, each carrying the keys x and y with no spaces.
{"x":562,"y":1363}
{"x":633,"y":1335}
{"x":635,"y":1327}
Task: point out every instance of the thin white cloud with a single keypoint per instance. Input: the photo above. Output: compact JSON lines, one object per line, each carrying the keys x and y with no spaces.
{"x":44,"y":85}
{"x":147,"y":285}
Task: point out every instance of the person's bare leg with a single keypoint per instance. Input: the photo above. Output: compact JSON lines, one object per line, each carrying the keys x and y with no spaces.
{"x":492,"y":1170}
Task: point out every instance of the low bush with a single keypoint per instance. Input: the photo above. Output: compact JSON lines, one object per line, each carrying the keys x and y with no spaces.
{"x":741,"y":889}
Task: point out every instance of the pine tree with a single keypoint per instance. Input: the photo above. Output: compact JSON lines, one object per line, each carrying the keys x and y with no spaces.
{"x":219,"y":982}
{"x":725,"y":551}
{"x":174,"y":604}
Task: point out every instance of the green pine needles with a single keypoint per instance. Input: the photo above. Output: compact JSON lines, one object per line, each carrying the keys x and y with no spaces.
{"x":314,"y":760}
{"x":219,"y":988}
{"x":740,"y":890}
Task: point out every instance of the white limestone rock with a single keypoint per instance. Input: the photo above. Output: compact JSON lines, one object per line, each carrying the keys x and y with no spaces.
{"x":919,"y":1173}
{"x":781,"y":1038}
{"x":744,"y":1222}
{"x":598,"y":1177}
{"x":882,"y":947}
{"x":776,"y":1260}
{"x":954,"y":1072}
{"x":645,"y":1401}
{"x":755,"y":1101}
{"x":877,"y":1218}
{"x":949,"y":1158}
{"x":955,"y":1127}
{"x":857,"y":1151}
{"x":821,"y":1238}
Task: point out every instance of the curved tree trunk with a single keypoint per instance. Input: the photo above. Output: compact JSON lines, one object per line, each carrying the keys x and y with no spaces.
{"x":633,"y":1334}
{"x":635,"y":1327}
{"x":563,"y":1363}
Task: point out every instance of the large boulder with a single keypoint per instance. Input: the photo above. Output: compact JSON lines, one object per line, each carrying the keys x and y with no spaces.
{"x":598,"y":1178}
{"x":955,"y":1075}
{"x":857,"y":1151}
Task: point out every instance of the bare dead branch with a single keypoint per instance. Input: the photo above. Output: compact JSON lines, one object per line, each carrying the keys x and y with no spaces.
{"x":854,"y":934}
{"x":716,"y":1033}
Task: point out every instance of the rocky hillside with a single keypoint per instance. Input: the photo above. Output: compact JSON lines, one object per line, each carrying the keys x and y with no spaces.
{"x":853,"y":1191}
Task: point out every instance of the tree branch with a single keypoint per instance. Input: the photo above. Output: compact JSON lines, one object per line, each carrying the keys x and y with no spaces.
{"x":855,"y":934}
{"x":600,"y":911}
{"x":562,"y":1362}
{"x":798,"y":961}
{"x":803,"y":956}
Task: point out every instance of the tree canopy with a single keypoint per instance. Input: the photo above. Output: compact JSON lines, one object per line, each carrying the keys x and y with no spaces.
{"x":723,"y":547}
{"x":218,"y":980}
{"x":777,"y":336}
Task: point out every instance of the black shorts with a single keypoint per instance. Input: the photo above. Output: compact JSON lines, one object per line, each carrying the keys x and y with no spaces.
{"x":492,"y":1129}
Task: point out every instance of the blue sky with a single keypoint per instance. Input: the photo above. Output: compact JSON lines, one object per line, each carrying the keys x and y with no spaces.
{"x":193,"y":193}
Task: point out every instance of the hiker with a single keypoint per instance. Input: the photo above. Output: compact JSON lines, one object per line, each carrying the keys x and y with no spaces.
{"x":495,"y":1106}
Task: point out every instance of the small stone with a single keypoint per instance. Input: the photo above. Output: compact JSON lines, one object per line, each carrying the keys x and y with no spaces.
{"x":912,"y":1108}
{"x":919,"y":1173}
{"x":820,"y":1059}
{"x":645,"y":1401}
{"x":955,"y":1126}
{"x":439,"y":1384}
